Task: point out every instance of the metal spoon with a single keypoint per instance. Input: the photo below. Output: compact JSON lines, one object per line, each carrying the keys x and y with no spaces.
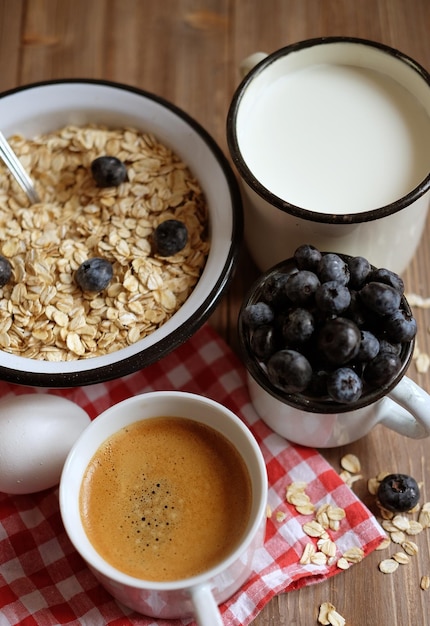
{"x":16,"y":168}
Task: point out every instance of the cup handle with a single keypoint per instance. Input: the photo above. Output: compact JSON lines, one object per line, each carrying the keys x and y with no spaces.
{"x":249,"y":62}
{"x":406,"y":410}
{"x":206,"y":610}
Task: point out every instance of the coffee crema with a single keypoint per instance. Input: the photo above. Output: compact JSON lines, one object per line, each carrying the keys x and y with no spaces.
{"x":165,"y":499}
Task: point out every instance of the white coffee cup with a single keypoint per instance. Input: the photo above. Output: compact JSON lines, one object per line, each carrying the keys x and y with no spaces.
{"x":200,"y":595}
{"x":331,"y":138}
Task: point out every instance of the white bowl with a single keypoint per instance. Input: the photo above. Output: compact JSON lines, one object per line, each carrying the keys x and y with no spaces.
{"x":46,"y":106}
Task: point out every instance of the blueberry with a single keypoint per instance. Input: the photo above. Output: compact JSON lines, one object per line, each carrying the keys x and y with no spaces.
{"x":108,"y":171}
{"x":357,"y":311}
{"x":94,"y":274}
{"x":307,"y":257}
{"x":257,"y":314}
{"x":380,"y":298}
{"x":389,"y":346}
{"x":369,"y":346}
{"x":344,"y":385}
{"x":301,"y":286}
{"x":263,"y":342}
{"x":401,"y":326}
{"x":339,"y":340}
{"x":333,"y":267}
{"x":382,"y":275}
{"x":382,"y":369}
{"x":273,"y":290}
{"x":359,"y":270}
{"x":5,"y":270}
{"x":332,"y":297}
{"x":298,"y":326}
{"x":398,"y":493}
{"x":289,"y":370}
{"x":170,"y":237}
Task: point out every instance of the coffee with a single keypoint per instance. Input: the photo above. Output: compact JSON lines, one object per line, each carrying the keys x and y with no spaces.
{"x":165,"y":498}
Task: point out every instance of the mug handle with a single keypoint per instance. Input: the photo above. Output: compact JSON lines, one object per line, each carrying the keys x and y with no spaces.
{"x":206,"y":610}
{"x":406,"y":410}
{"x":251,"y":61}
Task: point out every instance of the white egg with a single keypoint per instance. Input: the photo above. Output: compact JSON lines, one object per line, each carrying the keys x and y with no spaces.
{"x":37,"y":432}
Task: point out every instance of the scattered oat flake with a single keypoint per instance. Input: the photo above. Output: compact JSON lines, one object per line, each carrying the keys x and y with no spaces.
{"x":418,"y":301}
{"x":351,"y":463}
{"x":425,"y":582}
{"x":398,"y":536}
{"x":410,"y":547}
{"x":401,"y":558}
{"x":319,"y":558}
{"x":424,"y":517}
{"x":401,"y":522}
{"x":324,"y":610}
{"x":342,"y":563}
{"x":308,"y":552}
{"x":280,"y":516}
{"x":414,"y":528}
{"x":268,"y":511}
{"x":313,"y":529}
{"x":385,"y":543}
{"x":373,"y":485}
{"x":388,"y":566}
{"x":354,"y":555}
{"x":422,"y":362}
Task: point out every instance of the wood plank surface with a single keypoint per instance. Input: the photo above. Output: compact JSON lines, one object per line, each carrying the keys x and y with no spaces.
{"x":189,"y":52}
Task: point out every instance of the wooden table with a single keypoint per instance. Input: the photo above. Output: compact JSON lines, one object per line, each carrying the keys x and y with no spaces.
{"x":188,"y":51}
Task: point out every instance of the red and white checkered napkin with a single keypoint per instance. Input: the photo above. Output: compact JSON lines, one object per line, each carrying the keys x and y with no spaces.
{"x":44,"y":581}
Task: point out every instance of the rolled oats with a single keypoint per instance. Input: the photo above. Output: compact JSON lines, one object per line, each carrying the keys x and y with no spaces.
{"x":388,"y":566}
{"x":351,"y":463}
{"x":425,"y":583}
{"x":77,"y":220}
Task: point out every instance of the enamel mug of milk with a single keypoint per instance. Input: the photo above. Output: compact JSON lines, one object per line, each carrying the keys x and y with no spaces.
{"x":331,"y":138}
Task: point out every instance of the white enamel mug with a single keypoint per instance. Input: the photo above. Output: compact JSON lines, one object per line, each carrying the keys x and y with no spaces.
{"x":200,"y":595}
{"x":405,"y":409}
{"x":331,"y":139}
{"x":318,"y":421}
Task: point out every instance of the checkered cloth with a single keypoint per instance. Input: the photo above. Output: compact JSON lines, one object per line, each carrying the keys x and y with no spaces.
{"x":44,"y":581}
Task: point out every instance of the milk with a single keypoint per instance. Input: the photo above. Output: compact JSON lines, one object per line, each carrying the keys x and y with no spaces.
{"x":336,"y":139}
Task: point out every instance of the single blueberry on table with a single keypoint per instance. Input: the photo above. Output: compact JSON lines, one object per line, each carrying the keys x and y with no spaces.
{"x":289,"y":370}
{"x":5,"y":270}
{"x":94,"y":274}
{"x":398,"y":493}
{"x":170,"y":237}
{"x":108,"y":171}
{"x":344,"y":385}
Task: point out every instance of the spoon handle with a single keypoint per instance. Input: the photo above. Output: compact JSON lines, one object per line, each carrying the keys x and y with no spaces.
{"x":16,"y":168}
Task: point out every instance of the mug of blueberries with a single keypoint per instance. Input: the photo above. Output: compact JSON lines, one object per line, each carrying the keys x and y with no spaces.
{"x":326,"y":339}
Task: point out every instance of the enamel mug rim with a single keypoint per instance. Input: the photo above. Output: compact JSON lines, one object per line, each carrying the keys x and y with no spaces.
{"x":380,"y":54}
